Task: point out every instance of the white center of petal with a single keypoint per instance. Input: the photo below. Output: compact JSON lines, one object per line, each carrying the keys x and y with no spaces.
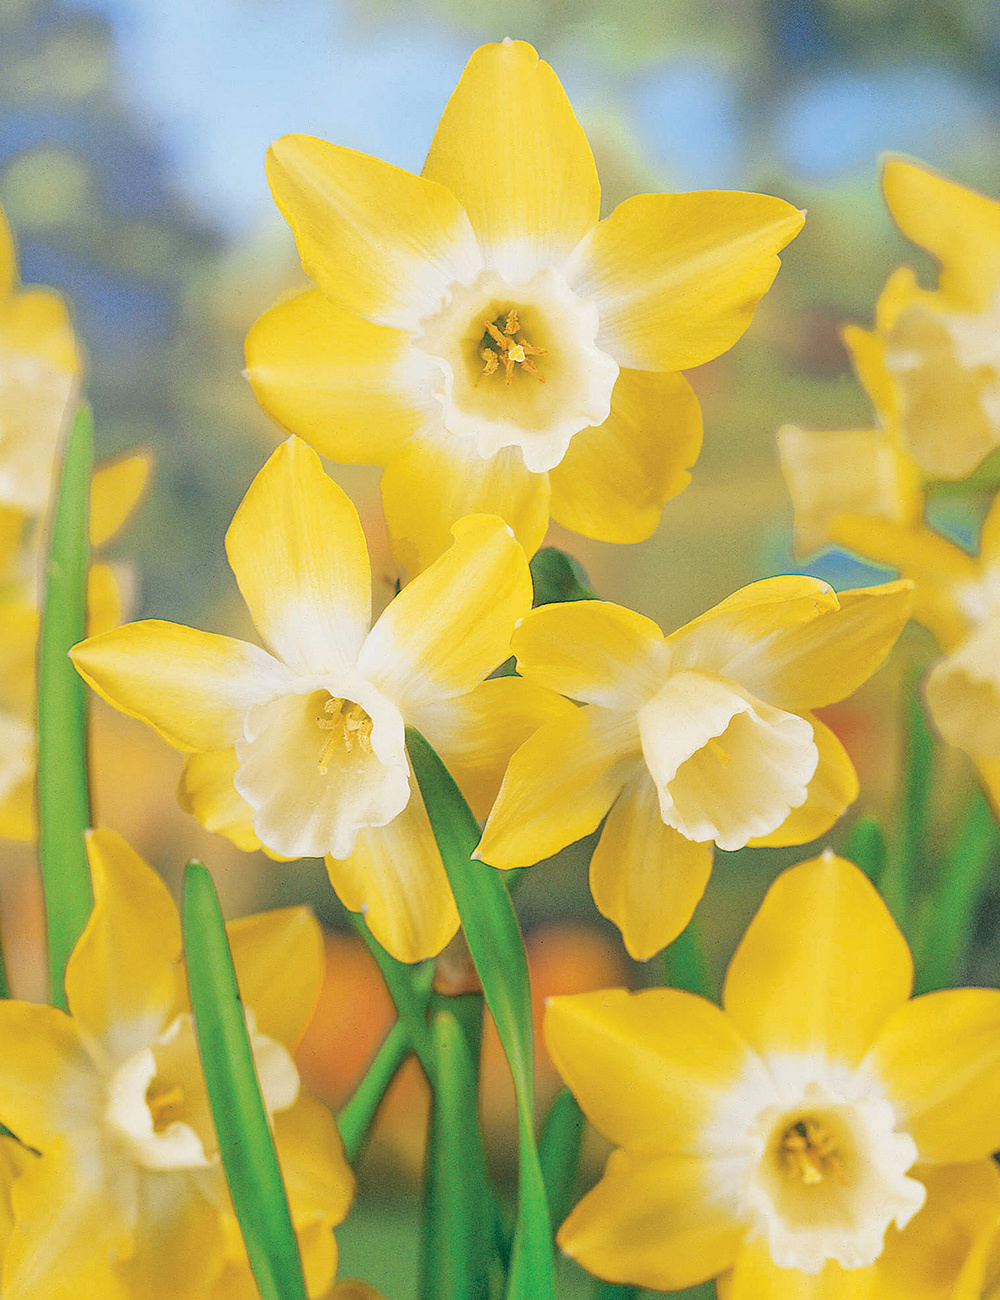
{"x":963,"y":691}
{"x":157,"y":1106}
{"x":818,"y":1160}
{"x":727,"y":767}
{"x":321,"y":764}
{"x":17,"y":753}
{"x":517,"y":365}
{"x":35,"y":397}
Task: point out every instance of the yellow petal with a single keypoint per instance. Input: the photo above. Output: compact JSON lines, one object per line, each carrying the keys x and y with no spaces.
{"x":318,"y":1179}
{"x":793,"y":661}
{"x":18,"y":642}
{"x":395,"y":877}
{"x":452,"y":624}
{"x":936,"y":567}
{"x":867,"y":353}
{"x":121,"y":977}
{"x":337,"y":381}
{"x":299,"y":556}
{"x":944,"y":1250}
{"x":559,"y":785}
{"x":12,"y":526}
{"x":14,"y":1161}
{"x":676,"y":277}
{"x":49,"y":1085}
{"x":278,"y":957}
{"x":436,"y":479}
{"x":376,"y":239}
{"x":104,"y":599}
{"x":649,"y":1069}
{"x":850,"y":472}
{"x":475,"y":735}
{"x":953,"y":223}
{"x":207,"y":792}
{"x":17,"y":811}
{"x":833,"y":788}
{"x":646,"y":877}
{"x":35,"y":323}
{"x":71,"y":1228}
{"x":614,"y":479}
{"x":757,"y":1277}
{"x":821,"y":966}
{"x":655,"y":1223}
{"x":8,"y":257}
{"x":194,"y":688}
{"x":592,"y":651}
{"x":963,"y":693}
{"x":939,"y":1056}
{"x":177,"y":1244}
{"x":510,"y":149}
{"x":116,"y":489}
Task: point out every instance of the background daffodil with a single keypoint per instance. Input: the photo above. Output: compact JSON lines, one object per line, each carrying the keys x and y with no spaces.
{"x":699,"y":738}
{"x":483,"y":335}
{"x":127,"y":1191}
{"x":818,"y":1137}
{"x":301,"y":750}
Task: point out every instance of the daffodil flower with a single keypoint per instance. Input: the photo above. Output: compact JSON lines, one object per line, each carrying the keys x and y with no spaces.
{"x":39,"y":381}
{"x":819,"y":1136}
{"x":127,"y":1196}
{"x":699,"y":738}
{"x":302,"y":749}
{"x":483,"y":335}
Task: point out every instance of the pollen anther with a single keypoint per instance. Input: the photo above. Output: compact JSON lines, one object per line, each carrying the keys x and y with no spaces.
{"x":348,"y":724}
{"x":501,"y":343}
{"x":809,"y":1153}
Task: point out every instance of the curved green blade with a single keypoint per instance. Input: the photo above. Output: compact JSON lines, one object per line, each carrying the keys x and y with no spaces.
{"x":245,"y":1141}
{"x":497,"y":949}
{"x":63,"y":800}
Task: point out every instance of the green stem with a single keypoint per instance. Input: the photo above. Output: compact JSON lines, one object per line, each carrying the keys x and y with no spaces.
{"x":684,"y":963}
{"x":906,"y":848}
{"x":355,"y":1117}
{"x":559,"y":1153}
{"x":409,"y":988}
{"x":63,"y":798}
{"x":865,"y":846}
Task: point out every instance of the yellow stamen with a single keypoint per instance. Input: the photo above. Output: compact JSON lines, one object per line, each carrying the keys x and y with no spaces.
{"x":713,"y":746}
{"x":500,"y":344}
{"x":810,"y":1154}
{"x":164,"y":1105}
{"x":348,"y":725}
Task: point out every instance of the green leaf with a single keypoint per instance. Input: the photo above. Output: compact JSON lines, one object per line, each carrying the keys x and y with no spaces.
{"x":63,"y":799}
{"x":457,"y":1245}
{"x":866,"y":847}
{"x":494,"y":939}
{"x":355,"y":1116}
{"x":615,"y":1291}
{"x":559,"y":1153}
{"x":557,"y":577}
{"x":684,"y":963}
{"x":245,"y":1141}
{"x":906,"y":848}
{"x":942,"y":943}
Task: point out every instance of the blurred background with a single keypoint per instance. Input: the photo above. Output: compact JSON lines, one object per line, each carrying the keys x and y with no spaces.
{"x":132,"y":139}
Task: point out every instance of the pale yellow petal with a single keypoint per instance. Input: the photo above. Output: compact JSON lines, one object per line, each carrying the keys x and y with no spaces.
{"x":937,"y":568}
{"x":8,"y":257}
{"x":963,"y":693}
{"x":177,"y":1247}
{"x":395,"y":877}
{"x":953,"y":223}
{"x":376,"y":239}
{"x":510,"y":149}
{"x":646,"y":877}
{"x":318,"y":1179}
{"x":437,"y":478}
{"x":592,"y":651}
{"x":559,"y":785}
{"x":851,"y":472}
{"x":121,"y":978}
{"x":300,"y":558}
{"x":49,"y":1085}
{"x":278,"y":957}
{"x":17,"y":811}
{"x":757,"y":1277}
{"x":194,"y":688}
{"x":821,"y":966}
{"x":451,"y":626}
{"x":939,"y":1056}
{"x":833,"y":788}
{"x":349,"y":388}
{"x":614,"y":480}
{"x":654,"y":1222}
{"x":867,"y":353}
{"x":116,"y":489}
{"x":206,"y":791}
{"x":649,"y":1069}
{"x":475,"y":735}
{"x":676,"y":277}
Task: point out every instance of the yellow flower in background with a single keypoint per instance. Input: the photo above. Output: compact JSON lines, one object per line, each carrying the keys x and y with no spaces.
{"x":117,"y":487}
{"x":301,"y":750}
{"x":39,"y":382}
{"x":702,"y":737}
{"x":128,"y":1197}
{"x":818,"y":1137}
{"x":483,"y":335}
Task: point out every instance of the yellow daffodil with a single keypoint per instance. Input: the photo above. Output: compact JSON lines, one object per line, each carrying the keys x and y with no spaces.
{"x":116,"y":489}
{"x":818,"y":1137}
{"x":699,"y":738}
{"x":128,"y":1197}
{"x":301,"y":750}
{"x":39,"y":379}
{"x":483,"y":335}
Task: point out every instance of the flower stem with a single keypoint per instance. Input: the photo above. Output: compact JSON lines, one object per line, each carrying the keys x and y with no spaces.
{"x":355,"y":1117}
